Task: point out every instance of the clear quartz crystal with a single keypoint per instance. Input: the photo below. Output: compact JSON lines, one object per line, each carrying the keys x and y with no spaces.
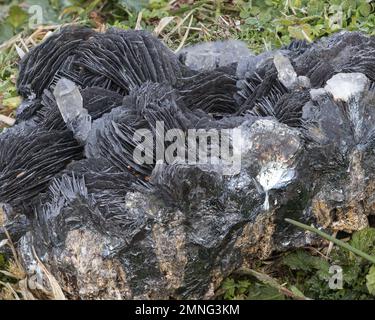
{"x":285,"y":70}
{"x":70,"y":104}
{"x":68,"y":99}
{"x":345,"y":85}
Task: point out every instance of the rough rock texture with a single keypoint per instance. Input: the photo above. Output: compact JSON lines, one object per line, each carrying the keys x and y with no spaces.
{"x":108,"y":226}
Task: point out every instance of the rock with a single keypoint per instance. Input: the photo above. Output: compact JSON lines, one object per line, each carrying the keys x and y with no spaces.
{"x":343,"y":52}
{"x":316,"y":93}
{"x":118,"y":208}
{"x":13,"y":222}
{"x":346,"y":85}
{"x":285,"y":70}
{"x":304,"y":82}
{"x":248,"y":65}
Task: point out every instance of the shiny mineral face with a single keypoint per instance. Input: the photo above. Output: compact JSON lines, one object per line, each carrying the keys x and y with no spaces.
{"x":298,"y":123}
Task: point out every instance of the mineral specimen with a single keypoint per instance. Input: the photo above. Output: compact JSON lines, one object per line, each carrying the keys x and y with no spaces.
{"x":117,"y":208}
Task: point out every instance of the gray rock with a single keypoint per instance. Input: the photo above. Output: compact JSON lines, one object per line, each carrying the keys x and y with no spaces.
{"x":316,"y":93}
{"x":285,"y":70}
{"x":248,"y":65}
{"x":304,"y":82}
{"x":343,"y":86}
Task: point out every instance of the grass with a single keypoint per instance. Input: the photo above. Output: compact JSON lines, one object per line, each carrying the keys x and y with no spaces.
{"x":263,"y":25}
{"x":15,"y":284}
{"x":307,"y":272}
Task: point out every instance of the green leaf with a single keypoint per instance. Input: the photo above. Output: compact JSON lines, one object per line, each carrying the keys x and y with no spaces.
{"x":315,"y":7}
{"x":301,"y":32}
{"x":265,"y":17}
{"x":296,"y":3}
{"x":136,"y":5}
{"x":268,"y":3}
{"x":336,"y":3}
{"x":370,"y":280}
{"x":17,"y":17}
{"x":351,"y":273}
{"x":243,"y":286}
{"x":244,"y":14}
{"x":301,"y":260}
{"x":364,"y":9}
{"x":254,"y":11}
{"x":317,"y":29}
{"x":49,"y":14}
{"x":349,"y":4}
{"x":297,"y":292}
{"x":364,"y":240}
{"x":6,"y":32}
{"x":297,"y":261}
{"x":261,"y":291}
{"x":251,"y":21}
{"x":229,"y":286}
{"x":285,"y":22}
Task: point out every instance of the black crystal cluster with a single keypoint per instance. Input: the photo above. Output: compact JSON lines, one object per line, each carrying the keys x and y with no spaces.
{"x":108,"y":226}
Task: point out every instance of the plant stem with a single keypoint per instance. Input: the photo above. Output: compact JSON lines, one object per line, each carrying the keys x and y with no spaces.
{"x":338,"y":242}
{"x":266,"y":279}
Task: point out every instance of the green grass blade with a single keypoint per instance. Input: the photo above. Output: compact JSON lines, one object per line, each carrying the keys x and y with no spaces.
{"x":338,"y":242}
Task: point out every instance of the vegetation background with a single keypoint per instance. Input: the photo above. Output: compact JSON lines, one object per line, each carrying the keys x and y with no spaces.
{"x":263,"y":25}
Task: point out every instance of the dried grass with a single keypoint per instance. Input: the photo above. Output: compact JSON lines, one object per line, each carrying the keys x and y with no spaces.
{"x":22,"y":286}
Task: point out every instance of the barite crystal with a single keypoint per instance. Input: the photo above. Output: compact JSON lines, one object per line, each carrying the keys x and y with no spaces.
{"x":343,"y":86}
